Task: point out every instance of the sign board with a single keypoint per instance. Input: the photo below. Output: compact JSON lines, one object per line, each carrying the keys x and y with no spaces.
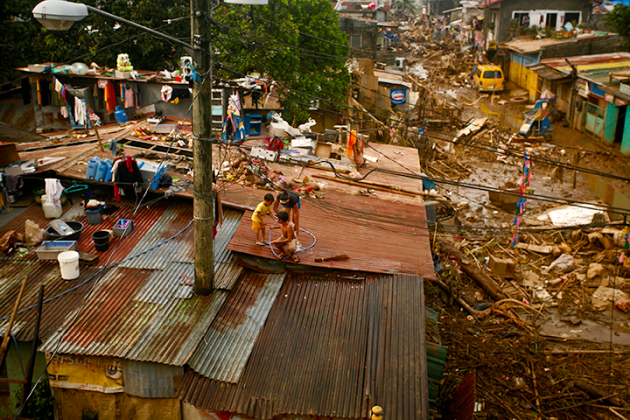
{"x":624,"y":88}
{"x":609,"y":98}
{"x":101,"y":374}
{"x":398,"y":96}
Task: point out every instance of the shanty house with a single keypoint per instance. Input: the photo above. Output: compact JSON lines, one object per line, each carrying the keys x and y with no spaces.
{"x":506,"y":16}
{"x":599,"y":103}
{"x":130,"y":339}
{"x":523,"y":54}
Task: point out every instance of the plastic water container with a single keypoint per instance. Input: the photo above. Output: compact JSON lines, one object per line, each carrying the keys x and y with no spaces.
{"x":50,"y":210}
{"x":104,"y":168}
{"x":69,"y":264}
{"x":94,"y":217}
{"x":121,"y":115}
{"x":108,"y":174}
{"x":101,"y":240}
{"x":92,"y":167}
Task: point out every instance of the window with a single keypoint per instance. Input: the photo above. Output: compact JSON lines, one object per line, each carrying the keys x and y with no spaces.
{"x":573,"y":17}
{"x":356,"y":41}
{"x":552,"y":20}
{"x":522,"y":18}
{"x":492,"y":74}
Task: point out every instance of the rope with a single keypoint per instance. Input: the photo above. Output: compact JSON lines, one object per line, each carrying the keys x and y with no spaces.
{"x":300,"y":250}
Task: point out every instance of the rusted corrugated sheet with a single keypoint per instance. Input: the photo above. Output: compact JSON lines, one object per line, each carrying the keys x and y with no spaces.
{"x":379,"y":236}
{"x":151,"y":380}
{"x":226,"y":270}
{"x":331,"y":349}
{"x":227,"y":345}
{"x":143,"y":222}
{"x":54,"y":312}
{"x":174,"y":219}
{"x":143,"y":315}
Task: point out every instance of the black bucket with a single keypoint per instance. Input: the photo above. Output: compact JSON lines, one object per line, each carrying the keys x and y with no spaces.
{"x":101,"y":240}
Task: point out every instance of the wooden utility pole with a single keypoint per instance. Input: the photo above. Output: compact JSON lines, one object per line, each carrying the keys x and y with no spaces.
{"x":202,"y":150}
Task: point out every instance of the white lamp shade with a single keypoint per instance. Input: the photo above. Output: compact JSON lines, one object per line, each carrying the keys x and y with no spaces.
{"x":252,"y":2}
{"x":59,"y":15}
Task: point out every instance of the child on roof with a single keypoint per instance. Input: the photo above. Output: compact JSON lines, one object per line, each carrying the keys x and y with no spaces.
{"x":258,"y":219}
{"x":287,"y":243}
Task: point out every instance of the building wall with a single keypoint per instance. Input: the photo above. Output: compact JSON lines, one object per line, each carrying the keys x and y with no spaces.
{"x":366,"y":30}
{"x":597,"y":45}
{"x":73,"y":404}
{"x":625,"y":142}
{"x":522,"y":76}
{"x":507,"y":8}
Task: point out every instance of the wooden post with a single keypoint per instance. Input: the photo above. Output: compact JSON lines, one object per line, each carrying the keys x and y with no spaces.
{"x":577,"y":162}
{"x":203,"y":210}
{"x":7,"y":333}
{"x":31,"y":363}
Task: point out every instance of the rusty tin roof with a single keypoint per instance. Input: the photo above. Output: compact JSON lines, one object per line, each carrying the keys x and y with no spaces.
{"x":330,"y":348}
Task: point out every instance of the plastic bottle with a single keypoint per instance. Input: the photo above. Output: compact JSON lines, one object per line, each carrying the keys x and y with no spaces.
{"x":103,"y":169}
{"x":50,"y":210}
{"x":92,"y":167}
{"x":108,"y":174}
{"x":121,"y":115}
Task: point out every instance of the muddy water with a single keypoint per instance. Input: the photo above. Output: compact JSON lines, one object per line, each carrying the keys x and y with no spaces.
{"x":607,"y":193}
{"x":595,"y":331}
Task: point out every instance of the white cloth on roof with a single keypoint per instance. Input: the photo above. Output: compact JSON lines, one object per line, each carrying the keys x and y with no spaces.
{"x":54,"y":191}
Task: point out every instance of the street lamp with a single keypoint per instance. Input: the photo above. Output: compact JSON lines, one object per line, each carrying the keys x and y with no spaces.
{"x":59,"y":15}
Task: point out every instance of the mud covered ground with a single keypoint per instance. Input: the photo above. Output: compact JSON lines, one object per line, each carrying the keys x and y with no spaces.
{"x":534,"y":363}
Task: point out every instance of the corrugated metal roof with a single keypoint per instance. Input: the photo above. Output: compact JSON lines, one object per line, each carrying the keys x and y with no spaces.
{"x":141,"y":315}
{"x":331,"y":348}
{"x":11,"y":275}
{"x":379,"y":236}
{"x":547,"y":72}
{"x":182,"y":248}
{"x":586,"y":62}
{"x":228,"y":343}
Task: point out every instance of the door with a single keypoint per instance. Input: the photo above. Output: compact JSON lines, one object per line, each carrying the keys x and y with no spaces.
{"x":594,"y":119}
{"x":552,"y":20}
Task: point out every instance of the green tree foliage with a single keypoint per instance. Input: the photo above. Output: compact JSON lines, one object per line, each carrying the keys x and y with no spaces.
{"x":619,"y":21}
{"x":94,"y":39}
{"x":297,"y":43}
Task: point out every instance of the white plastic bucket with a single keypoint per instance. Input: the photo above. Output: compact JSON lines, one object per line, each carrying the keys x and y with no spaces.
{"x":69,"y":264}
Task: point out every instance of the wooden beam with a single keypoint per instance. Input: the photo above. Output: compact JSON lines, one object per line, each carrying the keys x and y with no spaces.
{"x":7,"y":333}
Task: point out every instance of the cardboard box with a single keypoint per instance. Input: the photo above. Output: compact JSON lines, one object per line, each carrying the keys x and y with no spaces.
{"x":502,"y":267}
{"x":38,"y":68}
{"x":24,"y":167}
{"x":122,"y":74}
{"x":323,"y":150}
{"x":8,"y":154}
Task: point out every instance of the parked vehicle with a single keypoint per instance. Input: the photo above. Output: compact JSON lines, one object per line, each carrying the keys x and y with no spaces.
{"x":537,"y":124}
{"x":489,"y":78}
